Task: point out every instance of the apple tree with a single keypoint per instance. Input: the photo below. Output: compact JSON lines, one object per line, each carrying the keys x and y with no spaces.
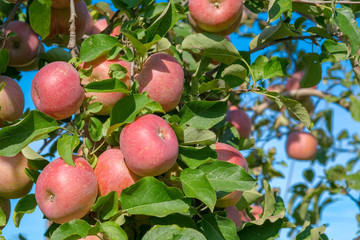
{"x":144,"y":108}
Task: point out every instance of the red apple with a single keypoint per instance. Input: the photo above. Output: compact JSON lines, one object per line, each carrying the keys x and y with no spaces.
{"x":60,"y":22}
{"x":230,"y":154}
{"x":112,"y":173}
{"x":14,"y":183}
{"x":64,"y":192}
{"x":101,"y":25}
{"x":56,"y":90}
{"x":25,"y":47}
{"x":301,"y":145}
{"x":11,"y":100}
{"x":5,"y":207}
{"x":240,"y":120}
{"x":163,"y":78}
{"x":233,"y":214}
{"x":61,"y":4}
{"x":149,"y":145}
{"x":90,"y":23}
{"x":256,"y":212}
{"x":215,"y":15}
{"x":101,"y":72}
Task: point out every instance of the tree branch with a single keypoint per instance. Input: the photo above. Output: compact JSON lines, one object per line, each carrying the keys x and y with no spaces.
{"x":109,"y":28}
{"x":72,"y":30}
{"x":8,"y":20}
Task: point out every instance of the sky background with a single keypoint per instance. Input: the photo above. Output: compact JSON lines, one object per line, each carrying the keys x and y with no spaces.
{"x":339,"y":217}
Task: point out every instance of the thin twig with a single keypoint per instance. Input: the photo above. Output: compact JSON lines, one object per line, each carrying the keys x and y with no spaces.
{"x":72,"y":30}
{"x":9,"y":19}
{"x":109,"y":28}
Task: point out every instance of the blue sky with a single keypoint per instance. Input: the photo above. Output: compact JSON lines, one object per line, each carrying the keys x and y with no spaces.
{"x":339,"y":216}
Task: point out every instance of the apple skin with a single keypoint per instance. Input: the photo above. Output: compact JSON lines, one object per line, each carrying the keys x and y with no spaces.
{"x":230,"y":154}
{"x":301,"y":145}
{"x":14,"y":181}
{"x":23,"y":48}
{"x":100,"y":72}
{"x":62,"y":4}
{"x":112,"y":173}
{"x":101,"y":25}
{"x":240,"y":120}
{"x":60,"y":22}
{"x":64,"y":192}
{"x":215,"y":15}
{"x":90,"y":23}
{"x":56,"y":90}
{"x":149,"y":145}
{"x":233,"y":214}
{"x":163,"y":78}
{"x":256,"y":212}
{"x":11,"y":100}
{"x":5,"y":207}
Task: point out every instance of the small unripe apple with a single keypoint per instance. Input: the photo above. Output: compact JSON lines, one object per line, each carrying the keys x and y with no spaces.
{"x":301,"y":145}
{"x":23,"y":48}
{"x":101,"y":67}
{"x":216,"y":15}
{"x":56,"y":90}
{"x":230,"y":154}
{"x":149,"y":145}
{"x":64,"y":192}
{"x":240,"y":120}
{"x":233,"y":214}
{"x":11,"y":100}
{"x":5,"y":207}
{"x":163,"y":78}
{"x":101,"y":24}
{"x":112,"y":172}
{"x":14,"y":183}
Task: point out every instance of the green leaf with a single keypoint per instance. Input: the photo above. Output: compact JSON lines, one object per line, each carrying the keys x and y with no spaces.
{"x":313,"y":71}
{"x":117,"y":71}
{"x":227,"y":177}
{"x":216,"y":227}
{"x":269,"y":202}
{"x":354,"y":109}
{"x":151,"y":197}
{"x":26,"y":205}
{"x":216,"y":84}
{"x":333,"y":51}
{"x":345,"y":20}
{"x":277,"y":7}
{"x":4,"y":60}
{"x":276,"y":67}
{"x":40,"y":17}
{"x":298,"y":110}
{"x":56,"y":54}
{"x":177,"y":218}
{"x":248,"y":197}
{"x":74,"y":229}
{"x":203,"y":114}
{"x":272,"y":33}
{"x":95,"y":129}
{"x":195,"y":156}
{"x":212,"y":46}
{"x":310,"y":233}
{"x":106,"y":206}
{"x":309,"y":174}
{"x":167,"y":19}
{"x":196,"y":185}
{"x":139,"y":46}
{"x":107,"y":85}
{"x":113,"y":231}
{"x":267,"y":231}
{"x":94,"y":107}
{"x":96,"y":46}
{"x":66,"y":145}
{"x":16,"y":137}
{"x":172,"y":232}
{"x":336,"y":173}
{"x":198,"y":136}
{"x":35,"y":160}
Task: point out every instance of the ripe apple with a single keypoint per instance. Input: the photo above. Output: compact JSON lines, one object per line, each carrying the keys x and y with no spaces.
{"x":101,"y":72}
{"x":23,"y":48}
{"x":301,"y":145}
{"x":61,"y":4}
{"x":163,"y":78}
{"x":233,"y":214}
{"x":56,"y":90}
{"x":149,"y":145}
{"x":112,"y":173}
{"x":60,"y":22}
{"x":101,"y":25}
{"x":64,"y":192}
{"x":230,"y":154}
{"x":5,"y":207}
{"x":14,"y":183}
{"x":11,"y":100}
{"x":240,"y":120}
{"x":90,"y":23}
{"x":215,"y":15}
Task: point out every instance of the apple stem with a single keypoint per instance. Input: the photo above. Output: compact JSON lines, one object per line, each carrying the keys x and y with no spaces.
{"x":72,"y":30}
{"x":7,"y":21}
